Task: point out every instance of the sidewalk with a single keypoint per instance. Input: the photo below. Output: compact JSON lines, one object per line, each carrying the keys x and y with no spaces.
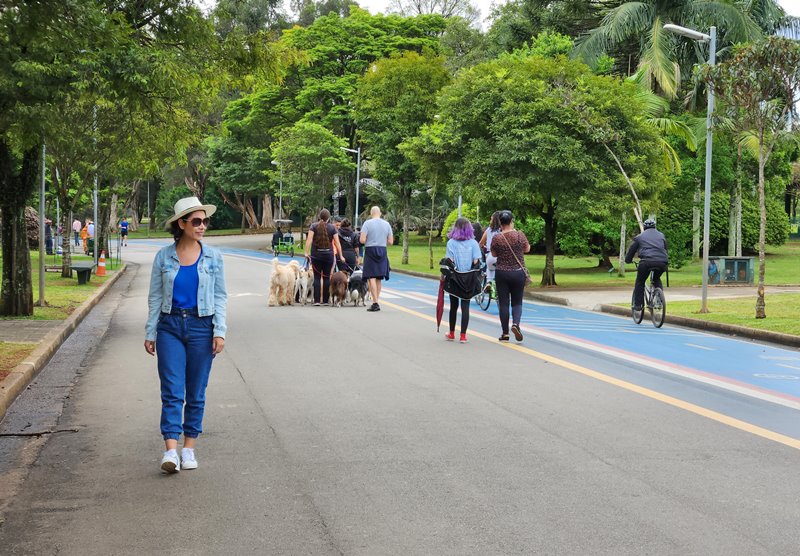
{"x":49,"y":335}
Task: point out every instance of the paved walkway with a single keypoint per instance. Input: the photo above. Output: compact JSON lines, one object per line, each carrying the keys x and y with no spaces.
{"x":26,"y":331}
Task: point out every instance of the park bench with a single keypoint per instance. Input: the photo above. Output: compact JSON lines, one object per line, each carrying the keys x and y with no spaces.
{"x":84,"y":270}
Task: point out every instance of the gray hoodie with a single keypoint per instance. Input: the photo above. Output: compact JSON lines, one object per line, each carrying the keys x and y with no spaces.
{"x":651,"y":245}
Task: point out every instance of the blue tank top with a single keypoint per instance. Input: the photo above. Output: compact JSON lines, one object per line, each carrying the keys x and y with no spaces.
{"x":184,"y":289}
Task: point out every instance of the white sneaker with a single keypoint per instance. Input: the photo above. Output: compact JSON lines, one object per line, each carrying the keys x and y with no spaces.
{"x":170,"y":462}
{"x":188,"y":460}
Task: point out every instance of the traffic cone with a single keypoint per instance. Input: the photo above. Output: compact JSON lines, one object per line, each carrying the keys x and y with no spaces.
{"x":101,"y":265}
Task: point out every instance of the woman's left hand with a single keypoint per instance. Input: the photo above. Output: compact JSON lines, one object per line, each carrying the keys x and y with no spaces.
{"x":217,"y":345}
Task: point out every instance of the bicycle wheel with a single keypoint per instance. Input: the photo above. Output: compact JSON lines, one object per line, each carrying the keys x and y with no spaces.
{"x":659,"y":308}
{"x":636,"y":315}
{"x":484,"y":298}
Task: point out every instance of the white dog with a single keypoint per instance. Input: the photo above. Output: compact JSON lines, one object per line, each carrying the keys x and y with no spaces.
{"x":303,"y":286}
{"x":281,"y":283}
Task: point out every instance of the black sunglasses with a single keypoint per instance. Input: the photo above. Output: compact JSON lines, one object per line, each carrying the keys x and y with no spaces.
{"x":197,"y":221}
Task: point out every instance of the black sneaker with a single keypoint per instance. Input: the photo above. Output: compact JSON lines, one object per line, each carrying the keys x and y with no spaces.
{"x":517,"y":332}
{"x":374,"y":307}
{"x":503,"y":338}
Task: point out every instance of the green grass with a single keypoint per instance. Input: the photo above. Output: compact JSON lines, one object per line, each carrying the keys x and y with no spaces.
{"x":583,"y":273}
{"x":63,"y":295}
{"x":783,"y":312}
{"x":160,"y":233}
{"x":11,"y":354}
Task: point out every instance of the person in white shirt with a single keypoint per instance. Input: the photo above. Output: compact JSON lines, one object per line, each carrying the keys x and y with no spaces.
{"x":376,"y":235}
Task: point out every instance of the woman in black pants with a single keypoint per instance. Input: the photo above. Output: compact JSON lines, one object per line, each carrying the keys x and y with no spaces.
{"x":321,"y":239}
{"x":510,"y":246}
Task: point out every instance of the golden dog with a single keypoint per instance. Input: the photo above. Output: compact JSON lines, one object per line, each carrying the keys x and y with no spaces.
{"x":281,"y":283}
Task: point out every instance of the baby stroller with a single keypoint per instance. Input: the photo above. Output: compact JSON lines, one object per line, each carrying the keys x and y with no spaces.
{"x":463,"y":285}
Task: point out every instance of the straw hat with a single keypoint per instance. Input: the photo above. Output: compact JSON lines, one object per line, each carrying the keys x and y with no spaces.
{"x":188,"y":205}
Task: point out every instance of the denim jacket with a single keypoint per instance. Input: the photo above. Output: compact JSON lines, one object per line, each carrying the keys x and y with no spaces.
{"x":212,"y":296}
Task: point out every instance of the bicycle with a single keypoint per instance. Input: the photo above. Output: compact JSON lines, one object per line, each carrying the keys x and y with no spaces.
{"x":488,"y":291}
{"x":654,"y":300}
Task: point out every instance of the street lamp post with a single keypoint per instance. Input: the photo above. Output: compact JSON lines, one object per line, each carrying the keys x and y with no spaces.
{"x":280,"y":190}
{"x":358,"y":179}
{"x":711,"y":38}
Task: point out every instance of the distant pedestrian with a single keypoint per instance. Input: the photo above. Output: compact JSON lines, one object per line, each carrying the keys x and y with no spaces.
{"x":123,"y":231}
{"x":322,"y":242}
{"x":510,"y":246}
{"x":90,"y":229}
{"x":84,"y":234}
{"x":348,"y":239}
{"x":48,"y":236}
{"x":486,"y":244}
{"x":376,"y":234}
{"x":185,"y":327}
{"x":465,"y":253}
{"x":76,"y":229}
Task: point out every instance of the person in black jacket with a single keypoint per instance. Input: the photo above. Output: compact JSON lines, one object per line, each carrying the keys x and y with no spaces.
{"x":652,"y":247}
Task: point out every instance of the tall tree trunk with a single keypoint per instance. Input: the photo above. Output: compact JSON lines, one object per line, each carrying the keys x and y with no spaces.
{"x":16,"y":293}
{"x":739,"y":219}
{"x":267,"y":218}
{"x":696,"y":223}
{"x":762,"y":235}
{"x":623,"y":233}
{"x":430,"y":228}
{"x":549,"y":272}
{"x":66,"y":245}
{"x":406,"y":219}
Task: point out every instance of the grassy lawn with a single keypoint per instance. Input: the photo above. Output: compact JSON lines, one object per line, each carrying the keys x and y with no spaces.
{"x":63,"y":296}
{"x":783,"y":312}
{"x":783,"y":264}
{"x":160,"y":233}
{"x":11,"y":354}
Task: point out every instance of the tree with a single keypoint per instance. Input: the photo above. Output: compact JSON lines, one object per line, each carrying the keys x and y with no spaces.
{"x":446,"y":8}
{"x":761,"y":83}
{"x":532,"y":133}
{"x":311,"y":157}
{"x":660,"y":53}
{"x":395,"y":99}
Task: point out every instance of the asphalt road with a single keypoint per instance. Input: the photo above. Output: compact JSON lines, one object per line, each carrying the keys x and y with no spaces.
{"x":337,"y":431}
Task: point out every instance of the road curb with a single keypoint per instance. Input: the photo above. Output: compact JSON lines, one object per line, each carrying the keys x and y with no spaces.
{"x":22,"y":375}
{"x":731,"y":329}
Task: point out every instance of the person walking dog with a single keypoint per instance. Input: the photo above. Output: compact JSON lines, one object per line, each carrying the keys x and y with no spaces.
{"x":376,"y":234}
{"x":185,"y":327}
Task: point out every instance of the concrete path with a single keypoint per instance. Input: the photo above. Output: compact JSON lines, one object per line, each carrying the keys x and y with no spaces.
{"x":336,"y":431}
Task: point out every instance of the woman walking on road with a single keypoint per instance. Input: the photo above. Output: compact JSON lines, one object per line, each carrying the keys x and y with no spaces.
{"x":509,"y":247}
{"x":465,"y":253}
{"x":185,"y":327}
{"x":321,"y":240}
{"x":349,"y":241}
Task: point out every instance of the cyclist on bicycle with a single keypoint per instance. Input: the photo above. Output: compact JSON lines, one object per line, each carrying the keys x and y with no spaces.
{"x":652,"y":247}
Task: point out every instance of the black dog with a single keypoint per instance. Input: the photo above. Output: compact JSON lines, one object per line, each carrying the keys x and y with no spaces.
{"x":357,"y":289}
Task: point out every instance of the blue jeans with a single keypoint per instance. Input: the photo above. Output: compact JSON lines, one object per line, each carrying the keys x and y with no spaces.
{"x":184,"y":346}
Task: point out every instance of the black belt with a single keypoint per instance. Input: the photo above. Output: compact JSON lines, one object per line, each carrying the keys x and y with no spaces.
{"x":190,"y":312}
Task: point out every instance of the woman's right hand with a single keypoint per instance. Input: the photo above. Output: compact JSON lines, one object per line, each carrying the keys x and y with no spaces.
{"x":150,"y":347}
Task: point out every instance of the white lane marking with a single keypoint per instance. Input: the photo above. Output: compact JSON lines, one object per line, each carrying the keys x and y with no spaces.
{"x":779,"y":358}
{"x":787,"y":366}
{"x":687,"y":373}
{"x":247,"y":294}
{"x":780,"y":377}
{"x":700,"y":347}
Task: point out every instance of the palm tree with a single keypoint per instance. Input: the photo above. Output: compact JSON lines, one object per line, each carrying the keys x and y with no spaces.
{"x":660,"y":52}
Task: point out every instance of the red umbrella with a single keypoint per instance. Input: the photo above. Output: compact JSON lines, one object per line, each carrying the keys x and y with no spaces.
{"x":440,"y":304}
